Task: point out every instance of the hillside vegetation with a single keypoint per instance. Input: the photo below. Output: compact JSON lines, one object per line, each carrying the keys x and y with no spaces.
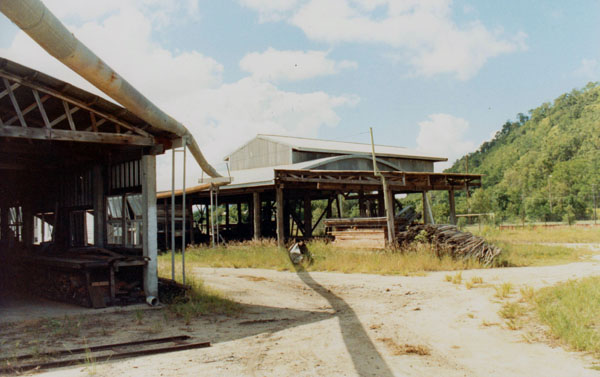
{"x":542,"y":167}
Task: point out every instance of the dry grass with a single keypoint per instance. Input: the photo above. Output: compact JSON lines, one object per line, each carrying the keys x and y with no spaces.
{"x":513,"y":314}
{"x":201,"y":300}
{"x":559,"y":234}
{"x":414,"y":260}
{"x":504,"y":290}
{"x":572,"y":312}
{"x":530,"y":254}
{"x":405,"y":349}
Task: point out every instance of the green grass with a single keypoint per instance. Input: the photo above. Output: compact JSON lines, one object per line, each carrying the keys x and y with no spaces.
{"x":198,"y":301}
{"x":504,"y":290}
{"x":521,"y":255}
{"x":572,"y":311}
{"x":513,"y":313}
{"x":560,"y":234}
{"x":418,"y":259}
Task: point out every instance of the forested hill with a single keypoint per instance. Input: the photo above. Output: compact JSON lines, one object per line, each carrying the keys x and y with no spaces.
{"x":544,"y":166}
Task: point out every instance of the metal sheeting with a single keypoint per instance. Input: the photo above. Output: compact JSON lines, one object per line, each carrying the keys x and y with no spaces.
{"x":330,"y":146}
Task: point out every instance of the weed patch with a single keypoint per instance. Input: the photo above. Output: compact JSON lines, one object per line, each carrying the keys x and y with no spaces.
{"x":504,"y":290}
{"x":571,"y":310}
{"x":201,"y":300}
{"x":415,"y":259}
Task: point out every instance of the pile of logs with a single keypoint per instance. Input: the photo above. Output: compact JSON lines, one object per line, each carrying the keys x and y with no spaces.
{"x":448,"y":239}
{"x":59,"y":285}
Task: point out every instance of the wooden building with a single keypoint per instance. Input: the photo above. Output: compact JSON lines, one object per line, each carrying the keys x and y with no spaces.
{"x":272,"y":172}
{"x":77,"y":191}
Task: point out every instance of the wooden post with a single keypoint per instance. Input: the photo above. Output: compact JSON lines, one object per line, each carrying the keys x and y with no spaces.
{"x":329,"y":211}
{"x":4,"y":229}
{"x":27,"y":218}
{"x":307,"y":216}
{"x":361,"y":204}
{"x":338,"y":202}
{"x":227,"y":216}
{"x":99,"y":207}
{"x":380,"y":204}
{"x":424,"y":200}
{"x":452,"y":207}
{"x":389,"y":213}
{"x":280,"y":216}
{"x":256,"y":214}
{"x":427,"y":214}
{"x":166,"y":221}
{"x":149,"y":221}
{"x":207,"y":214}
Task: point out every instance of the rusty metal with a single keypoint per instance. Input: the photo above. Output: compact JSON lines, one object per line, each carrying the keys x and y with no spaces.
{"x":74,"y":351}
{"x":45,"y":28}
{"x":100,"y":358}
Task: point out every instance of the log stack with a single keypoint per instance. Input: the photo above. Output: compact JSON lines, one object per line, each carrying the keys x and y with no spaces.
{"x":448,"y":239}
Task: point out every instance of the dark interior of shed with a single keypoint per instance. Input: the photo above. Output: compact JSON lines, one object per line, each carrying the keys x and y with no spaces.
{"x":53,"y":197}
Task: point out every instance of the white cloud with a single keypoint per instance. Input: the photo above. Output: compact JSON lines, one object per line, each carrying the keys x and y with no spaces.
{"x":444,"y":135}
{"x":189,"y":87}
{"x":277,"y":65}
{"x":422,"y":33}
{"x":589,"y":69}
{"x":159,"y":11}
{"x":271,"y":10}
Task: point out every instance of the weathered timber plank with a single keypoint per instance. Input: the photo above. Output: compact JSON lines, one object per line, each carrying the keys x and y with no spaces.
{"x":79,"y":136}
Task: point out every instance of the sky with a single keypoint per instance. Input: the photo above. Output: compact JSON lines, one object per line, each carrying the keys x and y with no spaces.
{"x":440,"y":76}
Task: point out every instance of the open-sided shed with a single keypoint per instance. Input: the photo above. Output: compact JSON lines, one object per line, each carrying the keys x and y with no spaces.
{"x":77,"y":191}
{"x":272,"y":172}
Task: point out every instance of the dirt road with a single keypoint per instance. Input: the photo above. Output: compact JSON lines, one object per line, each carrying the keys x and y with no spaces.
{"x":331,"y":324}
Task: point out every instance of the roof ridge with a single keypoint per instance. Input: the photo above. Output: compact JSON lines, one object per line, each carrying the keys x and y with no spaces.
{"x":334,"y":141}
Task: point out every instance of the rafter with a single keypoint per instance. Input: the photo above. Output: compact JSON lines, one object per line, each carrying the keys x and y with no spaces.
{"x":62,"y":117}
{"x":15,"y":104}
{"x":29,"y":108}
{"x":79,"y":104}
{"x":40,"y":105}
{"x":5,"y":91}
{"x":69,"y":117}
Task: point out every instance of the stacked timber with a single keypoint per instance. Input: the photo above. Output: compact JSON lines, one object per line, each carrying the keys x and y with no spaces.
{"x":358,"y":231}
{"x":369,"y":232}
{"x":450,"y":240}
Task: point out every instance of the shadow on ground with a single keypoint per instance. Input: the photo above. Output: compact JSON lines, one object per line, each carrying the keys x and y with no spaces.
{"x":367,"y":360}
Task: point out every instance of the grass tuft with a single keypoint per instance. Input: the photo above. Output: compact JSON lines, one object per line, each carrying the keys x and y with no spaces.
{"x":504,"y":290}
{"x":571,"y":310}
{"x":201,"y":300}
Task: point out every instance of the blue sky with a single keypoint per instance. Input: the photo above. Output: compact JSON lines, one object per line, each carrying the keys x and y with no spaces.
{"x":438,"y":75}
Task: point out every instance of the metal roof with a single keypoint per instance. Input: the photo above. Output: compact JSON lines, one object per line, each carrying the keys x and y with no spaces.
{"x":331,"y":146}
{"x":266,"y":175}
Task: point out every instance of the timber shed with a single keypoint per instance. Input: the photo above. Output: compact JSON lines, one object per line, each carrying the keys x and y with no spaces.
{"x":77,"y":193}
{"x":304,"y":177}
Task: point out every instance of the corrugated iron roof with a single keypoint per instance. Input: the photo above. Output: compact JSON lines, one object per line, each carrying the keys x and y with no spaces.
{"x":260,"y":176}
{"x":331,"y":146}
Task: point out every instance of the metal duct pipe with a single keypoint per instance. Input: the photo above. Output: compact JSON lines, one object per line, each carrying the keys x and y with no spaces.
{"x":42,"y":26}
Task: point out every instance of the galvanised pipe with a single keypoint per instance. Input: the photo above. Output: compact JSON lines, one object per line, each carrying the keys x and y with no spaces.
{"x":42,"y":26}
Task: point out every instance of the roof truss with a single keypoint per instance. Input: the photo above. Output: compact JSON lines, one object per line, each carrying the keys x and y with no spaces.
{"x":398,"y":181}
{"x":31,"y":120}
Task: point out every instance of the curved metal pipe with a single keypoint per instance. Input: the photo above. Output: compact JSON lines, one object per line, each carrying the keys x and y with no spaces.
{"x":42,"y":26}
